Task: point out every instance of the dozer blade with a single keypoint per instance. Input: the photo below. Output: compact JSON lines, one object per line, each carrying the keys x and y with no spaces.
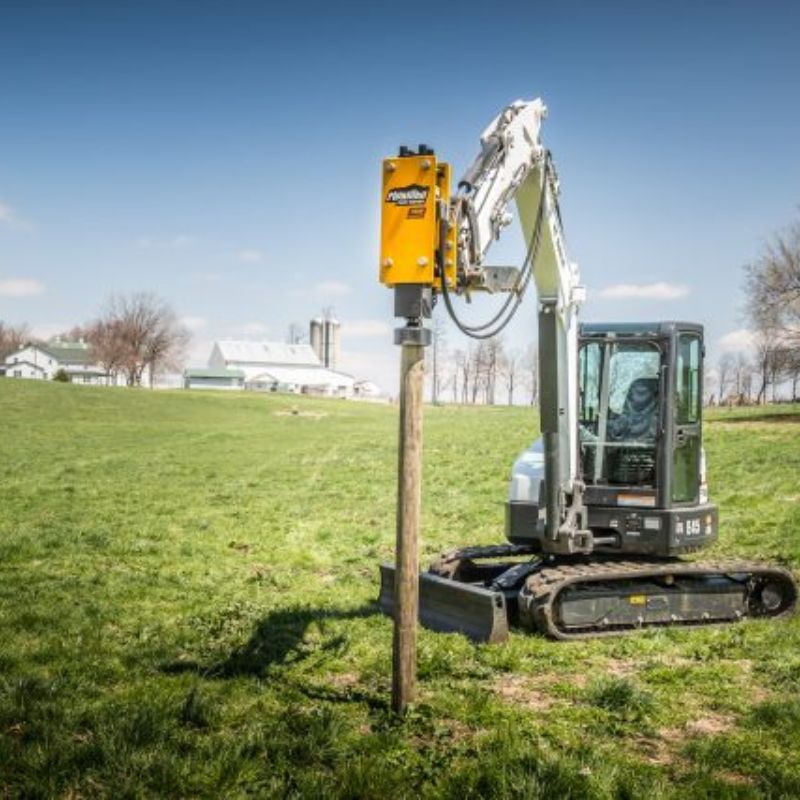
{"x":451,"y":607}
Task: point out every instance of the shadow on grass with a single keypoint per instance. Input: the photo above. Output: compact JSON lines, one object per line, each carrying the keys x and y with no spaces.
{"x":279,"y":638}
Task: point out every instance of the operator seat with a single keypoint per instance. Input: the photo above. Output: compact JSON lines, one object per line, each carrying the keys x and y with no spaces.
{"x":638,"y":419}
{"x":633,"y":463}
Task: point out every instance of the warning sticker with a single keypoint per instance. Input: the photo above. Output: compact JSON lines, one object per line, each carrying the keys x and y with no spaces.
{"x":638,"y":600}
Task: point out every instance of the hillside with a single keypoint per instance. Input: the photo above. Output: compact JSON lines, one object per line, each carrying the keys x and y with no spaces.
{"x":187,"y":585}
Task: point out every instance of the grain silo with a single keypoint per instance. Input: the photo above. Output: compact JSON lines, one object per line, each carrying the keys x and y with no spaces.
{"x":316,"y":334}
{"x":325,"y":339}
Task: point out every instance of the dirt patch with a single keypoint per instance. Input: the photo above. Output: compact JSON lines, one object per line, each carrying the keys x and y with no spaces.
{"x":577,"y":679}
{"x":735,"y":778}
{"x":710,"y":725}
{"x":620,"y":667}
{"x":296,"y":412}
{"x":519,"y":691}
{"x":663,"y":750}
{"x":674,"y":661}
{"x":707,"y":725}
{"x":671,"y":735}
{"x":759,"y":695}
{"x":656,"y":751}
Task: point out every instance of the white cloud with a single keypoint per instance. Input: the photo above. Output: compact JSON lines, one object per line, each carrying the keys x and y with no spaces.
{"x":644,"y":291}
{"x":250,"y":256}
{"x":194,"y":323}
{"x":332,"y":288}
{"x":741,"y":339}
{"x":365,"y":329}
{"x":12,"y":220}
{"x":178,"y":242}
{"x":20,"y":287}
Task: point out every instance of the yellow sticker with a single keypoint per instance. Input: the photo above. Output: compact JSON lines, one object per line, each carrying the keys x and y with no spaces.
{"x":638,"y":599}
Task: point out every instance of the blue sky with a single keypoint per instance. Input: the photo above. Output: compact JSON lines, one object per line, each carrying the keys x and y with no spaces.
{"x":228,"y":156}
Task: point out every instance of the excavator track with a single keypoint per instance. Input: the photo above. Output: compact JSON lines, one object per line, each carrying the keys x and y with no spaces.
{"x":586,"y":599}
{"x":481,"y":591}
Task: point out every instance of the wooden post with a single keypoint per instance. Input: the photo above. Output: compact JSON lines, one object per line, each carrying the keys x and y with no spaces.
{"x":409,"y":496}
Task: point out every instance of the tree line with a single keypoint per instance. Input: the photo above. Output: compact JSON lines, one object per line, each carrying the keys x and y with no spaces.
{"x":135,"y":336}
{"x":486,"y":372}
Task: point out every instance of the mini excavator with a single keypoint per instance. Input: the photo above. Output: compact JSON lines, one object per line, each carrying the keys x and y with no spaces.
{"x":602,"y":506}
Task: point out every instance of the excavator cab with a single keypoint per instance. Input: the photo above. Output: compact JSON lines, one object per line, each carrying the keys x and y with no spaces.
{"x":640,"y":439}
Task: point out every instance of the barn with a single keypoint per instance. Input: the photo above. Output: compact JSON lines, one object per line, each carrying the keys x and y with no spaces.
{"x":277,"y":367}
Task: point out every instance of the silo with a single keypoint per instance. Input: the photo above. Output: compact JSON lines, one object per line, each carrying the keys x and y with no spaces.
{"x":333,"y":329}
{"x":317,"y":335}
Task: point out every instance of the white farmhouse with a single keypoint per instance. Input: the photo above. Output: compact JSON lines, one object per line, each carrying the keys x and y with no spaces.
{"x":43,"y":361}
{"x":367,"y":390}
{"x":273,"y":367}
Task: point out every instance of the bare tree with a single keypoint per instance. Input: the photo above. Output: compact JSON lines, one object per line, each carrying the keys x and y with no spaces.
{"x":747,"y":384}
{"x":725,"y":369}
{"x":459,"y":361}
{"x":511,"y":367}
{"x":773,"y":286}
{"x":12,"y":338}
{"x":77,"y":333}
{"x":437,"y":355}
{"x":477,"y":359}
{"x":295,"y":334}
{"x":793,"y":371}
{"x":465,"y":363}
{"x":768,"y":360}
{"x":778,"y":368}
{"x":492,"y":359}
{"x":478,"y":378}
{"x":532,"y":370}
{"x":139,"y":333}
{"x":742,"y":378}
{"x":109,"y":349}
{"x":456,"y":362}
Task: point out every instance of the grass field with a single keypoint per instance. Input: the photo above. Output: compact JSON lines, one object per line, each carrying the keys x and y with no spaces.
{"x":187,"y":587}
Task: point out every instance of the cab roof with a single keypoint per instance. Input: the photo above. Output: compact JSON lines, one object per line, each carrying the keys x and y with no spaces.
{"x":667,"y":328}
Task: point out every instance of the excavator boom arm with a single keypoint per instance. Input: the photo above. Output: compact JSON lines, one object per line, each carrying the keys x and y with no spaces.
{"x":513,"y":165}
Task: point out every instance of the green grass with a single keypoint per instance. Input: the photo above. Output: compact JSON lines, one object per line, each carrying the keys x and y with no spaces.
{"x":187,"y":587}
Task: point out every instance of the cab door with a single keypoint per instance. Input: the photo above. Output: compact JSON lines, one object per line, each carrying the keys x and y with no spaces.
{"x":687,"y":418}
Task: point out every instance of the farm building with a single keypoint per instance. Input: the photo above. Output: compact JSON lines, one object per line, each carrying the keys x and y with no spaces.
{"x":213,"y":379}
{"x":273,"y":367}
{"x":367,"y":390}
{"x":43,"y":361}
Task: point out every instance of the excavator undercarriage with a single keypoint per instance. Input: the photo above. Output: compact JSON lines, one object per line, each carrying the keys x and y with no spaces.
{"x":482,"y":591}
